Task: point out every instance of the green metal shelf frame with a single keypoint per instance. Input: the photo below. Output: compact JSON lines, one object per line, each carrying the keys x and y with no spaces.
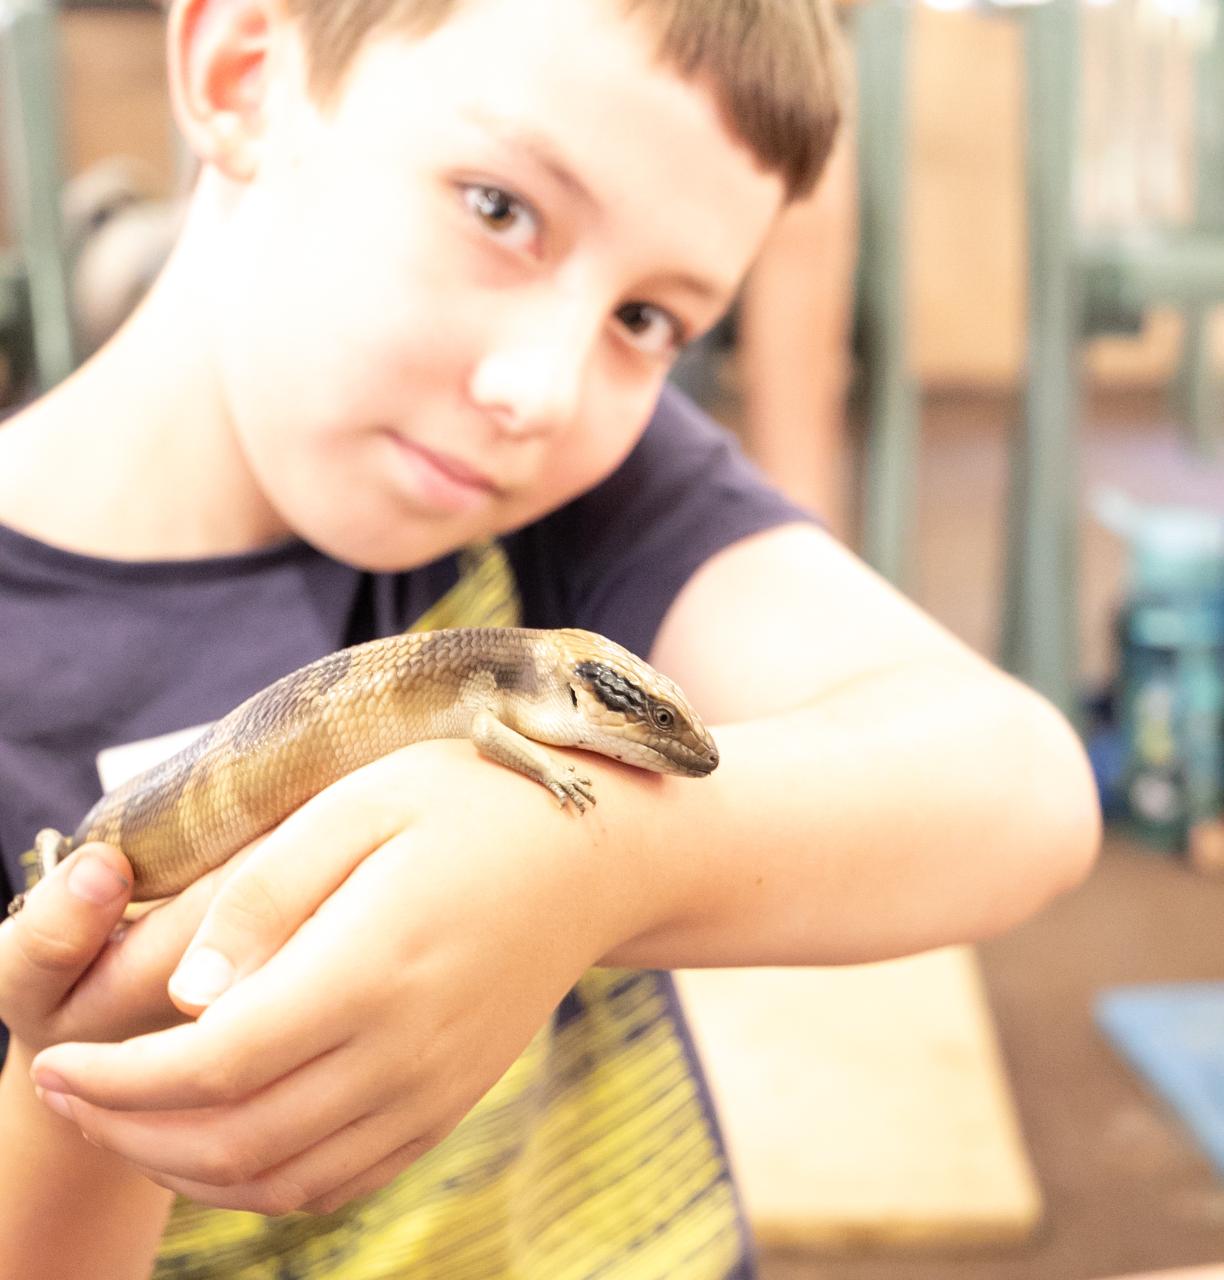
{"x":29,"y":103}
{"x":1078,"y":285}
{"x":881,"y":42}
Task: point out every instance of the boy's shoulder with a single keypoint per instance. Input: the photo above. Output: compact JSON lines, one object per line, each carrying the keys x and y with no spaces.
{"x":27,"y":467}
{"x":686,"y":470}
{"x":614,"y":559}
{"x":54,"y":469}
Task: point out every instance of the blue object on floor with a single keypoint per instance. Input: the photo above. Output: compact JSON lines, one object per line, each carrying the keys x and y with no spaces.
{"x":1173,"y":1035}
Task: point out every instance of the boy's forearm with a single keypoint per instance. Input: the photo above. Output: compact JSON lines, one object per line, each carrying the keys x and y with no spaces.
{"x":907,"y":810}
{"x":68,"y":1209}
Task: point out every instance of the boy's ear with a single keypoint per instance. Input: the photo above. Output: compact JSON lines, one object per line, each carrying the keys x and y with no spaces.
{"x":218,"y":54}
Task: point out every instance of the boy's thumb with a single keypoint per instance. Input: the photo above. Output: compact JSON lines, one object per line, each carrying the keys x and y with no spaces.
{"x":63,"y":924}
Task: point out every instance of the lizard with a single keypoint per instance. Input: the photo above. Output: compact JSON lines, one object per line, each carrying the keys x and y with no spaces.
{"x":508,"y":689}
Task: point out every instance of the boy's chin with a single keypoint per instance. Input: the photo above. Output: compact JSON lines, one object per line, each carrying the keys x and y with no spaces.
{"x":382,"y":551}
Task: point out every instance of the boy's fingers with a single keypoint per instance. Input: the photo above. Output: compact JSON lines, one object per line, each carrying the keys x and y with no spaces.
{"x":283,"y":882}
{"x":64,"y":923}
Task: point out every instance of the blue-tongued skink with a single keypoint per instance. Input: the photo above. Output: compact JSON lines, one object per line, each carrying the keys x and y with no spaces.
{"x":508,"y":689}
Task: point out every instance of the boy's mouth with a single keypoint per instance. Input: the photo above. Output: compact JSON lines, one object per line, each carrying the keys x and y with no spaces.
{"x":442,"y":480}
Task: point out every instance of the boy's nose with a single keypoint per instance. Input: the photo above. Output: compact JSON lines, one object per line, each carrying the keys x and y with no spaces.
{"x":533,"y":385}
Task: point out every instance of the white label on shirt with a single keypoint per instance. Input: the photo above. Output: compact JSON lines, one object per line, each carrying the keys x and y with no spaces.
{"x":116,"y":765}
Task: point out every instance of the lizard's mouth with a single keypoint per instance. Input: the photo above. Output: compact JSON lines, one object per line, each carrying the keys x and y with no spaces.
{"x":678,"y":758}
{"x":699,"y":764}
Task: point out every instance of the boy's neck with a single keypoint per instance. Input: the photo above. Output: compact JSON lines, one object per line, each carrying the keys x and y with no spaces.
{"x":134,"y":457}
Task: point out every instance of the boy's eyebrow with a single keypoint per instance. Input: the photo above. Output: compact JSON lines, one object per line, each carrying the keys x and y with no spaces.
{"x":538,"y":148}
{"x":705,"y":290}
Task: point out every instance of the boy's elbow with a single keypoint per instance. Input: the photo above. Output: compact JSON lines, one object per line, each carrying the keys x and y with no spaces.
{"x":1066,"y":805}
{"x":1051,"y":826}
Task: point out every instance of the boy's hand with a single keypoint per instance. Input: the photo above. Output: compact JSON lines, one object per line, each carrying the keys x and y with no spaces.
{"x":391,"y":949}
{"x":66,"y":922}
{"x":70,"y":969}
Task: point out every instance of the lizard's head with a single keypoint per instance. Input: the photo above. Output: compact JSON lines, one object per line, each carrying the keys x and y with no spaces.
{"x":633,"y":712}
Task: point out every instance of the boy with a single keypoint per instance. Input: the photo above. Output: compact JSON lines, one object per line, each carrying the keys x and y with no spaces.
{"x":398,"y":373}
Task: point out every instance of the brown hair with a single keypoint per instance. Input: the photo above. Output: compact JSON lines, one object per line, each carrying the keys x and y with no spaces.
{"x":775,"y":66}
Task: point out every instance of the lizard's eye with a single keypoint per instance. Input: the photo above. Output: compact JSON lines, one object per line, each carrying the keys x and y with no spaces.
{"x":663,"y":716}
{"x":573,"y":697}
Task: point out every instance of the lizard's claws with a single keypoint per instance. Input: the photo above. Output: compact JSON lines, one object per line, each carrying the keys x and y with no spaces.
{"x":573,"y":788}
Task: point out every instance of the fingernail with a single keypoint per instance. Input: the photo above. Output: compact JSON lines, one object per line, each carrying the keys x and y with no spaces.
{"x":201,"y":977}
{"x":93,"y":881}
{"x":57,"y":1102}
{"x":48,"y":1081}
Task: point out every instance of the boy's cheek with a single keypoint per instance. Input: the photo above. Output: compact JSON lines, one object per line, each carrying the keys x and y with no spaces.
{"x":593,"y":451}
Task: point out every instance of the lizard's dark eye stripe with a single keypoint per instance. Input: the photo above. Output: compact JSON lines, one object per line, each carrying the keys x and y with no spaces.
{"x":613,"y":690}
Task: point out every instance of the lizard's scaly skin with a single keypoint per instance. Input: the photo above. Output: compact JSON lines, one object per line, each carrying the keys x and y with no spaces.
{"x":282,"y":746}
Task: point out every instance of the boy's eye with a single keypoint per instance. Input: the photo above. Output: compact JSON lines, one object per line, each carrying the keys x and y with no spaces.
{"x":651,"y":329}
{"x":506,"y":216}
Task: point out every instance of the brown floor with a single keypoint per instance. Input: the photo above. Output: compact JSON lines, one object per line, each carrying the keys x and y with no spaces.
{"x":1125,"y":1189}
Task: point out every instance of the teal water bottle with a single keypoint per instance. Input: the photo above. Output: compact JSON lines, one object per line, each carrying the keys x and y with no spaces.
{"x":1171,"y":686}
{"x":1172,"y":704}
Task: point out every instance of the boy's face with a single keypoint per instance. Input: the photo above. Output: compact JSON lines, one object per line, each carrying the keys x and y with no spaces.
{"x":450,"y":299}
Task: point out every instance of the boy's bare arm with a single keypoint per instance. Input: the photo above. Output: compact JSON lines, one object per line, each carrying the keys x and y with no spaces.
{"x":392,"y":950}
{"x":903,"y":792}
{"x":68,"y":1209}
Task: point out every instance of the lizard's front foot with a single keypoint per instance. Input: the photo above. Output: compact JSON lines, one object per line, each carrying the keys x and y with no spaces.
{"x":570,"y":786}
{"x":51,"y":847}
